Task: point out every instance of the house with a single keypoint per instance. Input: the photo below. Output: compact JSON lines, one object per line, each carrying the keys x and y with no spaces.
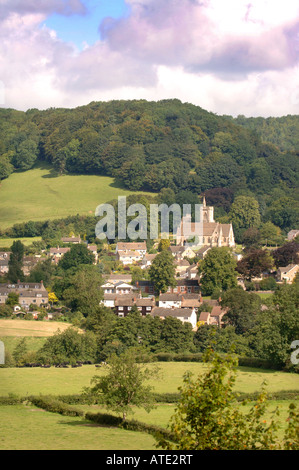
{"x":217,"y":314}
{"x":130,"y":252}
{"x":123,"y":305}
{"x":206,"y":232}
{"x":181,"y":266}
{"x":214,"y":317}
{"x":202,"y":252}
{"x":191,"y":300}
{"x":115,"y":277}
{"x":180,"y":252}
{"x":129,"y":257}
{"x":170,"y":300}
{"x":118,"y":287}
{"x":4,"y":260}
{"x":139,"y":247}
{"x":192,"y":272}
{"x":57,"y":253}
{"x":72,"y":239}
{"x":293,"y":234}
{"x":147,"y":260}
{"x":186,"y":315}
{"x":189,"y":286}
{"x":94,"y":250}
{"x":179,"y":300}
{"x":29,"y":262}
{"x":29,"y":293}
{"x":287,"y":274}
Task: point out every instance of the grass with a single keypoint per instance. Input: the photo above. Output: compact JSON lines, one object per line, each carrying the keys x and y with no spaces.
{"x":32,"y":328}
{"x":32,"y":381}
{"x":25,"y":427}
{"x":39,"y":194}
{"x":7,"y":242}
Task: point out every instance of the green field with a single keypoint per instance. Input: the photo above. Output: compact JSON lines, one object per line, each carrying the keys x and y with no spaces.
{"x":7,"y":242}
{"x":51,"y":431}
{"x":39,"y":194}
{"x":56,"y":381}
{"x":25,"y":427}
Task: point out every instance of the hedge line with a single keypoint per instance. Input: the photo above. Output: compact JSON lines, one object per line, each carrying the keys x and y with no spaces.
{"x":253,"y":362}
{"x":54,"y":405}
{"x":62,"y":403}
{"x":106,"y":419}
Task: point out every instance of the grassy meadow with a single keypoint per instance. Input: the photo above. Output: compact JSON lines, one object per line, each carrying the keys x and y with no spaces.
{"x":39,"y":194}
{"x":51,"y":431}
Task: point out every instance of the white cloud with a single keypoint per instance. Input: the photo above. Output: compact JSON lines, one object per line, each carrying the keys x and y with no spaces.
{"x":232,"y":57}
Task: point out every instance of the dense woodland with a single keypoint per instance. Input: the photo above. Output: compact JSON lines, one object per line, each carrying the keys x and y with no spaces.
{"x":170,"y":145}
{"x":155,"y":145}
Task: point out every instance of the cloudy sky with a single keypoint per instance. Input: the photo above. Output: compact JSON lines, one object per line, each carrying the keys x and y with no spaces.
{"x":227,"y":56}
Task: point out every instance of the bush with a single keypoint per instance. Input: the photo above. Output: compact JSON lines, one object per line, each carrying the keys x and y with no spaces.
{"x":106,"y":419}
{"x":55,"y":406}
{"x":268,"y":283}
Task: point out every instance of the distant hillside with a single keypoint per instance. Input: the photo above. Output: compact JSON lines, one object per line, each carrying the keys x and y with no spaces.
{"x":283,"y":132}
{"x":149,"y":146}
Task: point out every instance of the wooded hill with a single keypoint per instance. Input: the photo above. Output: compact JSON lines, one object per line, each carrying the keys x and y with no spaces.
{"x":164,"y":144}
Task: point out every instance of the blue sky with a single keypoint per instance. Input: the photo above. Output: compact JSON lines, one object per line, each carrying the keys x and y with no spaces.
{"x":81,"y":29}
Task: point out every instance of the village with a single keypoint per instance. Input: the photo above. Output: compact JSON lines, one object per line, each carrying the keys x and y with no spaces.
{"x":120,"y":291}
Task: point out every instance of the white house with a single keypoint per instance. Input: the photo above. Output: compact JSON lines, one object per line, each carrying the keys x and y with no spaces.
{"x":119,"y":287}
{"x":185,"y":315}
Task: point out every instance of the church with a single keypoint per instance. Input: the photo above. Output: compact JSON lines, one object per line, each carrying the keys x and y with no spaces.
{"x":206,"y":232}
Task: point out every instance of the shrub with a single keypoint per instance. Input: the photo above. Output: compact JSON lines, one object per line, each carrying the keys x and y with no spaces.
{"x":55,"y":406}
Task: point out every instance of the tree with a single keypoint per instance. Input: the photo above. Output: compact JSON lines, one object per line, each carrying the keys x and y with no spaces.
{"x":217,"y":270}
{"x":270,"y":234}
{"x":123,"y":386}
{"x":242,"y":309}
{"x":78,"y":254}
{"x":164,"y":244}
{"x":69,"y":345}
{"x":244,"y":213}
{"x":208,"y":415}
{"x":277,"y":327}
{"x":251,"y":238}
{"x":20,"y":350}
{"x":162,"y":271}
{"x":15,"y":264}
{"x":6,"y":167}
{"x":287,"y":254}
{"x":12,"y":299}
{"x":83,"y":292}
{"x":284,"y":213}
{"x":26,"y":155}
{"x":254,"y":263}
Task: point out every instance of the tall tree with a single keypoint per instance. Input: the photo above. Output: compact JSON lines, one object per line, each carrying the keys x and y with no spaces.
{"x":254,"y":263}
{"x":244,"y":213}
{"x":217,"y":271}
{"x":15,"y":264}
{"x":123,"y":386}
{"x":162,"y":271}
{"x":78,"y":254}
{"x":83,"y":292}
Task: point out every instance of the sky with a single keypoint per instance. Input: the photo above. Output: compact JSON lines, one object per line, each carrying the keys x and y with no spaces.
{"x":233,"y":57}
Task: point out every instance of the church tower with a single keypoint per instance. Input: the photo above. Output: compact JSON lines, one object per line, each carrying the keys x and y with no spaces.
{"x":207,"y":212}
